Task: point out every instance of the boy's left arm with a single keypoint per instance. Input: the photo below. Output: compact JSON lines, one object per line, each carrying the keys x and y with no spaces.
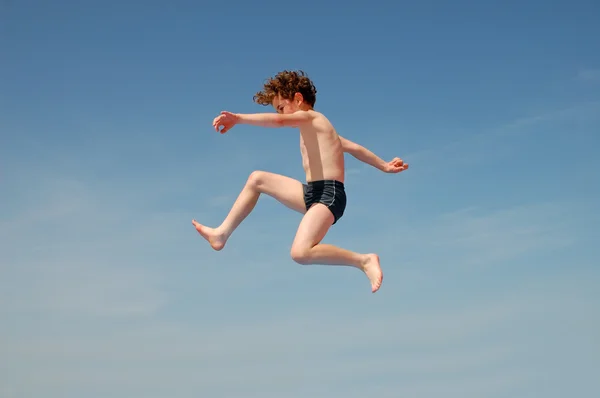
{"x":361,"y":153}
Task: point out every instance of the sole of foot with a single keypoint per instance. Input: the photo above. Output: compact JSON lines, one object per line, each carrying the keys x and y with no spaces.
{"x":213,"y":237}
{"x":372,"y":269}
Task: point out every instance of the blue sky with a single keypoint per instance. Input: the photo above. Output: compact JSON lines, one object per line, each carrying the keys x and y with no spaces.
{"x":487,"y":241}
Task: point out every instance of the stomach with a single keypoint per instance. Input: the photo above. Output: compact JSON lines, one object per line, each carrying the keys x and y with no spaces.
{"x":322,"y":153}
{"x":328,"y":167}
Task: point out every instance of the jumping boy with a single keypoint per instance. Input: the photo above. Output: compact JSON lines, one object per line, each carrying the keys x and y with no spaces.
{"x":322,"y":199}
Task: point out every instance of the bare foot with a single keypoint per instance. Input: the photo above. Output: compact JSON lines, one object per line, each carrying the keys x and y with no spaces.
{"x":373,"y":271}
{"x":217,"y":240}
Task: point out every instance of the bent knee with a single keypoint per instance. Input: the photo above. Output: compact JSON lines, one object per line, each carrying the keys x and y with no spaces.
{"x":256,"y":179}
{"x":301,"y":255}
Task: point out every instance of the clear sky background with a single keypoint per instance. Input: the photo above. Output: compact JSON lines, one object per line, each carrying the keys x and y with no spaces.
{"x":489,"y":242}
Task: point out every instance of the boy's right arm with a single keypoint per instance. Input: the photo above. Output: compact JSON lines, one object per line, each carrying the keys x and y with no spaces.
{"x":229,"y":119}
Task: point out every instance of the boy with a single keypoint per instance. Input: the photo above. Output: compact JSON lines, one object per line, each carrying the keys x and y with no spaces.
{"x":322,"y":199}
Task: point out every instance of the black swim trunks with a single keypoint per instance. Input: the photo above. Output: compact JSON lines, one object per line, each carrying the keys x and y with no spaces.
{"x":329,"y":192}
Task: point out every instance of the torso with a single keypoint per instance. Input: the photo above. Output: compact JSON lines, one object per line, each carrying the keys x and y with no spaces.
{"x":321,"y":150}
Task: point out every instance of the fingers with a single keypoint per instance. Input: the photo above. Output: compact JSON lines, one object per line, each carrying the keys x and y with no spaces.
{"x":396,"y":162}
{"x":398,"y":165}
{"x":221,"y":128}
{"x":224,"y":121}
{"x":218,"y":123}
{"x":397,"y":168}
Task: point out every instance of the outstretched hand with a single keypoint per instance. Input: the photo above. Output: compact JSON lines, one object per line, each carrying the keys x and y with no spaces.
{"x":395,"y":165}
{"x":226,"y":120}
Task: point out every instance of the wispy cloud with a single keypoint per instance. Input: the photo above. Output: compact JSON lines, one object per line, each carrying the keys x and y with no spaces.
{"x":222,"y":200}
{"x":421,"y":352}
{"x":487,"y":241}
{"x":481,"y":237}
{"x":123,"y":295}
{"x":112,"y":314}
{"x":492,"y":142}
{"x":590,"y":75}
{"x":72,"y":252}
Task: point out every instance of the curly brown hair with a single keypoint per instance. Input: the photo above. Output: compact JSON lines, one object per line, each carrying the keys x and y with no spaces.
{"x":287,"y":83}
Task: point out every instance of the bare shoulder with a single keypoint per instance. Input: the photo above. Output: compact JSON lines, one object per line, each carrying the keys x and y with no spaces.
{"x":316,"y":122}
{"x":316,"y":115}
{"x":320,"y":120}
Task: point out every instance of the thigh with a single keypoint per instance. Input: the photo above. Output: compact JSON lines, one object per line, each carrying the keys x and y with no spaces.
{"x":286,"y":190}
{"x":313,"y":227}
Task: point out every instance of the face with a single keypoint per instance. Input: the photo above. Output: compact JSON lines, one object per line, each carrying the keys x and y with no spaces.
{"x":286,"y":106}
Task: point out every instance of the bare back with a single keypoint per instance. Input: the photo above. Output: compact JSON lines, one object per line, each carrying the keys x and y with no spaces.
{"x":321,"y":150}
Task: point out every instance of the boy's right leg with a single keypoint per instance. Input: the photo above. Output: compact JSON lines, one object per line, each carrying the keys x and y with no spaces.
{"x":286,"y":190}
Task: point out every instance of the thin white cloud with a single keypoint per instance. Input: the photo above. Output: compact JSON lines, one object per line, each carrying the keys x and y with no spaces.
{"x":125,"y":297}
{"x":486,"y":238}
{"x":429,"y":350}
{"x":354,"y":170}
{"x":591,"y":75}
{"x":491,"y":143}
{"x":222,"y":200}
{"x":476,"y":237}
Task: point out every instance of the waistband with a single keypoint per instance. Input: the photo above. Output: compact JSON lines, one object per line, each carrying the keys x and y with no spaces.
{"x":325,"y":183}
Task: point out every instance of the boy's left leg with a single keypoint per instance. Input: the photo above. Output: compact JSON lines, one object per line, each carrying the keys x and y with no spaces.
{"x":307,"y":249}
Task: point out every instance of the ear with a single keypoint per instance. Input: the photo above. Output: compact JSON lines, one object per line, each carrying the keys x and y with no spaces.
{"x":298,"y":98}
